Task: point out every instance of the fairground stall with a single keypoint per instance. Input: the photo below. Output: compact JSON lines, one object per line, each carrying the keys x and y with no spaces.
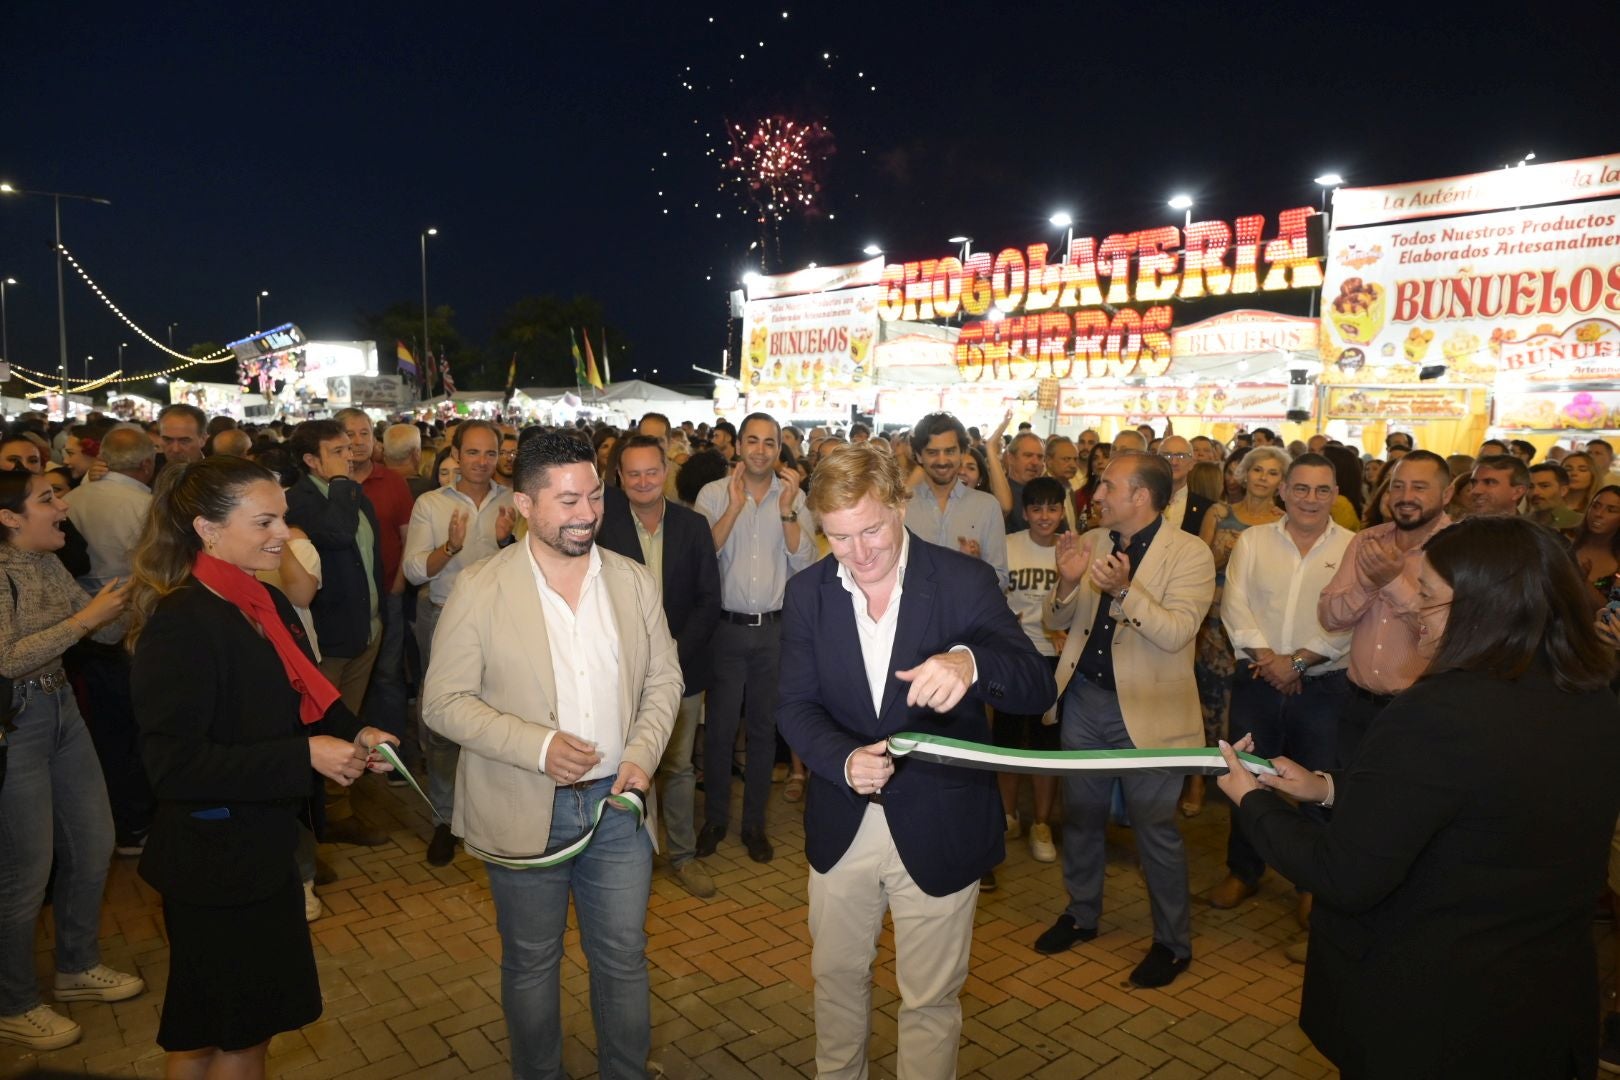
{"x":282,"y":373}
{"x":1476,"y":305}
{"x":1094,"y":339}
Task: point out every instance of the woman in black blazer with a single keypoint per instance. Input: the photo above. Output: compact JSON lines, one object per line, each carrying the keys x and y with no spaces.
{"x":233,"y":714}
{"x":1454,"y":883}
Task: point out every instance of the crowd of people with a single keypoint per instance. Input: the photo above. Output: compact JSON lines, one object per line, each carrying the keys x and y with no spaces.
{"x":567,"y":631}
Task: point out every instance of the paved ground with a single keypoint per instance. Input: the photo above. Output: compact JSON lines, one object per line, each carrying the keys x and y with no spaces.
{"x":408,"y":959}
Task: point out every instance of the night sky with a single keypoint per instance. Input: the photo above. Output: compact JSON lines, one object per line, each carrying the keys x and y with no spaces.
{"x":302,"y":150}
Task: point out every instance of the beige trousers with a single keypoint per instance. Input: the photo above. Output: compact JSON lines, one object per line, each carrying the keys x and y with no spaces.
{"x":932,"y":939}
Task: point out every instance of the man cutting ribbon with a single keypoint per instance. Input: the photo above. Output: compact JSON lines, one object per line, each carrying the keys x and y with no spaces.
{"x":554,"y":670}
{"x":935,"y":640}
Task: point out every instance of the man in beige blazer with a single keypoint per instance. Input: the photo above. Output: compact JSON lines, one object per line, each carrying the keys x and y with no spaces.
{"x":1131,"y":595}
{"x":554,"y":670}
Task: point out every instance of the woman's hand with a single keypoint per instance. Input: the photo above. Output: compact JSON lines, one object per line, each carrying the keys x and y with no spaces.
{"x":1238,"y":781}
{"x":1608,"y":627}
{"x":368,"y":740}
{"x":1297,"y":782}
{"x":106,"y":605}
{"x":335,"y":759}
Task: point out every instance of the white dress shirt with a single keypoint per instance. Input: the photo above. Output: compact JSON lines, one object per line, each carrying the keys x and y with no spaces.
{"x":584,"y":666}
{"x":1269,"y":601}
{"x":755,"y":562}
{"x":877,"y":635}
{"x":110,"y":514}
{"x":430,"y":528}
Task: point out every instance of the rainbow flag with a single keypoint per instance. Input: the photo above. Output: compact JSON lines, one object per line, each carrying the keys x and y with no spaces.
{"x":407,"y":362}
{"x":579,"y":361}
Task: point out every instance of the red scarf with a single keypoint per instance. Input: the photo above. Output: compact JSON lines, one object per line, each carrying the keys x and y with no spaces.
{"x":249,"y":594}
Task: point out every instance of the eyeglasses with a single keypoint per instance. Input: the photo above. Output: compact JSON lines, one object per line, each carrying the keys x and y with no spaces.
{"x":1177,"y":457}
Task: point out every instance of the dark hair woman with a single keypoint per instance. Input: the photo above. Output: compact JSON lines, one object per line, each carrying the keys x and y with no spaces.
{"x":701,"y":468}
{"x":1347,"y":472}
{"x":53,"y":785}
{"x":1096,"y":462}
{"x":229,"y":749}
{"x":1596,"y":542}
{"x":1452,"y":929}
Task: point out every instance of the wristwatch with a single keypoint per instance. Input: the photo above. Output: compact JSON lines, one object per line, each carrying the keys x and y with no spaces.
{"x":789,"y":518}
{"x":449,"y":552}
{"x":1298,"y":663}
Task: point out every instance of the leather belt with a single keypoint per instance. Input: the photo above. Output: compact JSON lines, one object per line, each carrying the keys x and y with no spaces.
{"x":874,"y":797}
{"x":761,"y":618}
{"x":1362,"y":692}
{"x":50,"y":682}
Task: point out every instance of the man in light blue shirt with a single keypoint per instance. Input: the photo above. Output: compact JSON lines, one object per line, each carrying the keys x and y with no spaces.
{"x":944,"y":510}
{"x":763,"y":538}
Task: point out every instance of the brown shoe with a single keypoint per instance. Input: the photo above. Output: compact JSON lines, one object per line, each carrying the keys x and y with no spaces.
{"x":1303,"y":911}
{"x":1231,"y":892}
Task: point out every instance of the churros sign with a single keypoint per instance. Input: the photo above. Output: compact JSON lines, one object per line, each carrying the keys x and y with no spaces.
{"x":1103,"y":310}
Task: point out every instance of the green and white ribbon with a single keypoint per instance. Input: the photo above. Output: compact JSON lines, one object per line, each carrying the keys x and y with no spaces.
{"x":973,"y":755}
{"x":629,"y":800}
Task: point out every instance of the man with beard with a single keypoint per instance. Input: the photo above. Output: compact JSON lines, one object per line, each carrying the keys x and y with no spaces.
{"x":554,"y":671}
{"x":508,"y":459}
{"x":1374,"y":594}
{"x":945,"y":511}
{"x":1500,"y":483}
{"x":451,"y":529}
{"x":755,"y":520}
{"x":1549,"y":484}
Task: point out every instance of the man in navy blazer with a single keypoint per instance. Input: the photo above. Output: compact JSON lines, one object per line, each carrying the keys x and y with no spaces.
{"x":675,"y":543}
{"x":894,"y":634}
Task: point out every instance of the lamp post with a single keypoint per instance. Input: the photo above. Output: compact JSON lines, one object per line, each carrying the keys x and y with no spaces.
{"x":122,"y":345}
{"x":967,"y":245}
{"x":5,"y":346}
{"x":87,"y":360}
{"x":1183,"y":202}
{"x":1329,"y":181}
{"x":56,"y":198}
{"x":871,"y":249}
{"x":1064,"y":220}
{"x":171,"y":333}
{"x":258,"y":310}
{"x":427,"y":354}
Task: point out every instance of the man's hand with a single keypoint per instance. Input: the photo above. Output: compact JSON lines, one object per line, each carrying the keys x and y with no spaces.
{"x":630,"y":776}
{"x":1278,"y":672}
{"x":1001,"y":429}
{"x":869,"y":768}
{"x":790,"y":487}
{"x":1380,"y":561}
{"x":569,"y":757}
{"x":734,"y":489}
{"x":97,"y":470}
{"x":968,"y":547}
{"x":505,"y":520}
{"x":458,"y":529}
{"x":940,"y":681}
{"x":1072,"y":561}
{"x":1111,"y":573}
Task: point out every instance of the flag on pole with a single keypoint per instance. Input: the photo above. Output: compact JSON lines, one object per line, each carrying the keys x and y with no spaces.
{"x":579,"y":361}
{"x":607,"y":371}
{"x":407,"y":362}
{"x":511,"y":377}
{"x":592,"y":376}
{"x":427,"y":372}
{"x":444,"y":374}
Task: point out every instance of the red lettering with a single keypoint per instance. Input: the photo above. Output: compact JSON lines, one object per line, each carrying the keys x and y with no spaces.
{"x":920,"y":291}
{"x":1244,"y":279}
{"x":1007,"y":279}
{"x":1406,"y":301}
{"x":1080,"y":275}
{"x":1156,"y":277}
{"x":1045,"y":282}
{"x":892,"y":294}
{"x":1291,"y":264}
{"x":976,"y":285}
{"x":1203,"y":260}
{"x":1156,"y":323}
{"x":1090,"y":328}
{"x":946,"y":294}
{"x":1520,"y":292}
{"x":1116,"y":254}
{"x":1585,"y":288}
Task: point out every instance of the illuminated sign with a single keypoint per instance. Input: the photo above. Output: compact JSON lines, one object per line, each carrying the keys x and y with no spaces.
{"x":284,"y":337}
{"x":1241,"y":332}
{"x":1038,"y":318}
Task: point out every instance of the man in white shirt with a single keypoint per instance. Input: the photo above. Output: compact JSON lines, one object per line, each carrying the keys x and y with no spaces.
{"x":931,"y":633}
{"x":943,"y":509}
{"x":555,"y":672}
{"x":451,"y":529}
{"x":111,"y":512}
{"x":1290,"y":685}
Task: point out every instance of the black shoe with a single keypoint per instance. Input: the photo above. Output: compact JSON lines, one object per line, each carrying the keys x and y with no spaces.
{"x":324,"y":874}
{"x":1609,"y":1052}
{"x":352,"y":830}
{"x":1160,"y":968}
{"x":442,"y":848}
{"x":759,"y":848}
{"x":708,"y":839}
{"x":988,"y":882}
{"x":1063,"y":935}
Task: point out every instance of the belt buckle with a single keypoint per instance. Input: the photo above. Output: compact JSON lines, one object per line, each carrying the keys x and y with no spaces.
{"x":52,"y":681}
{"x":756,"y":618}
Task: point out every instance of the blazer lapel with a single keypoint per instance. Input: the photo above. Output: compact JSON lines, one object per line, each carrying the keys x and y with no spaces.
{"x":838,"y":611}
{"x":916,"y":611}
{"x":517,"y":583}
{"x":621,"y":591}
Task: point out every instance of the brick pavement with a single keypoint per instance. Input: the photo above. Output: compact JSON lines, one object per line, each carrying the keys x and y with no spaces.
{"x":408,"y":961}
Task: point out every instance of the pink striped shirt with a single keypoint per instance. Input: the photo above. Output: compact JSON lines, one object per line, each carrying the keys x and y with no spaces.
{"x":1383,"y":649}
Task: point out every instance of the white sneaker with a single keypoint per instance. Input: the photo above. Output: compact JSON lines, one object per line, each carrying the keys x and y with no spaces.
{"x":312,"y":903}
{"x":100,"y":983}
{"x":1040,"y":842}
{"x":1014,"y":828}
{"x":40,"y":1028}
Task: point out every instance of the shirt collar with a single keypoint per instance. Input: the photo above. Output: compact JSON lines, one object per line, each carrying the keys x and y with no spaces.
{"x":663,"y":515}
{"x":1144,"y":535}
{"x":1280,"y":526}
{"x":925,"y":489}
{"x":591,"y":572}
{"x":899,"y":571}
{"x":124,"y":481}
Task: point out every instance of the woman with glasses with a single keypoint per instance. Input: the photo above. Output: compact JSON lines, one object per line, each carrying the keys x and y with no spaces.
{"x":1452,"y":930}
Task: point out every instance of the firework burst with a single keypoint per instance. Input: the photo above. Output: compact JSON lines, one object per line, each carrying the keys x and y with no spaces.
{"x":775,"y":166}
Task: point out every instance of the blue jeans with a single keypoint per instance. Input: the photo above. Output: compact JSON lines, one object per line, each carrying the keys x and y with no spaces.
{"x":611,"y":881}
{"x":54,"y":801}
{"x":385,"y":697}
{"x":1303,"y":727}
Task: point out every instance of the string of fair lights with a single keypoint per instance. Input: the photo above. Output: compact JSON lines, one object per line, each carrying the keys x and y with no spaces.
{"x":53,"y":384}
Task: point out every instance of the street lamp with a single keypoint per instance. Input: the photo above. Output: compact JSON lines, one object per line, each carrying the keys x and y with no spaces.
{"x":5,"y":348}
{"x":427,"y":354}
{"x":171,"y":333}
{"x":87,"y":360}
{"x":967,"y":245}
{"x":258,"y":310}
{"x":1183,"y":202}
{"x":1063,"y":220}
{"x":56,"y":198}
{"x":1329,"y":181}
{"x":122,"y":345}
{"x":871,"y":249}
